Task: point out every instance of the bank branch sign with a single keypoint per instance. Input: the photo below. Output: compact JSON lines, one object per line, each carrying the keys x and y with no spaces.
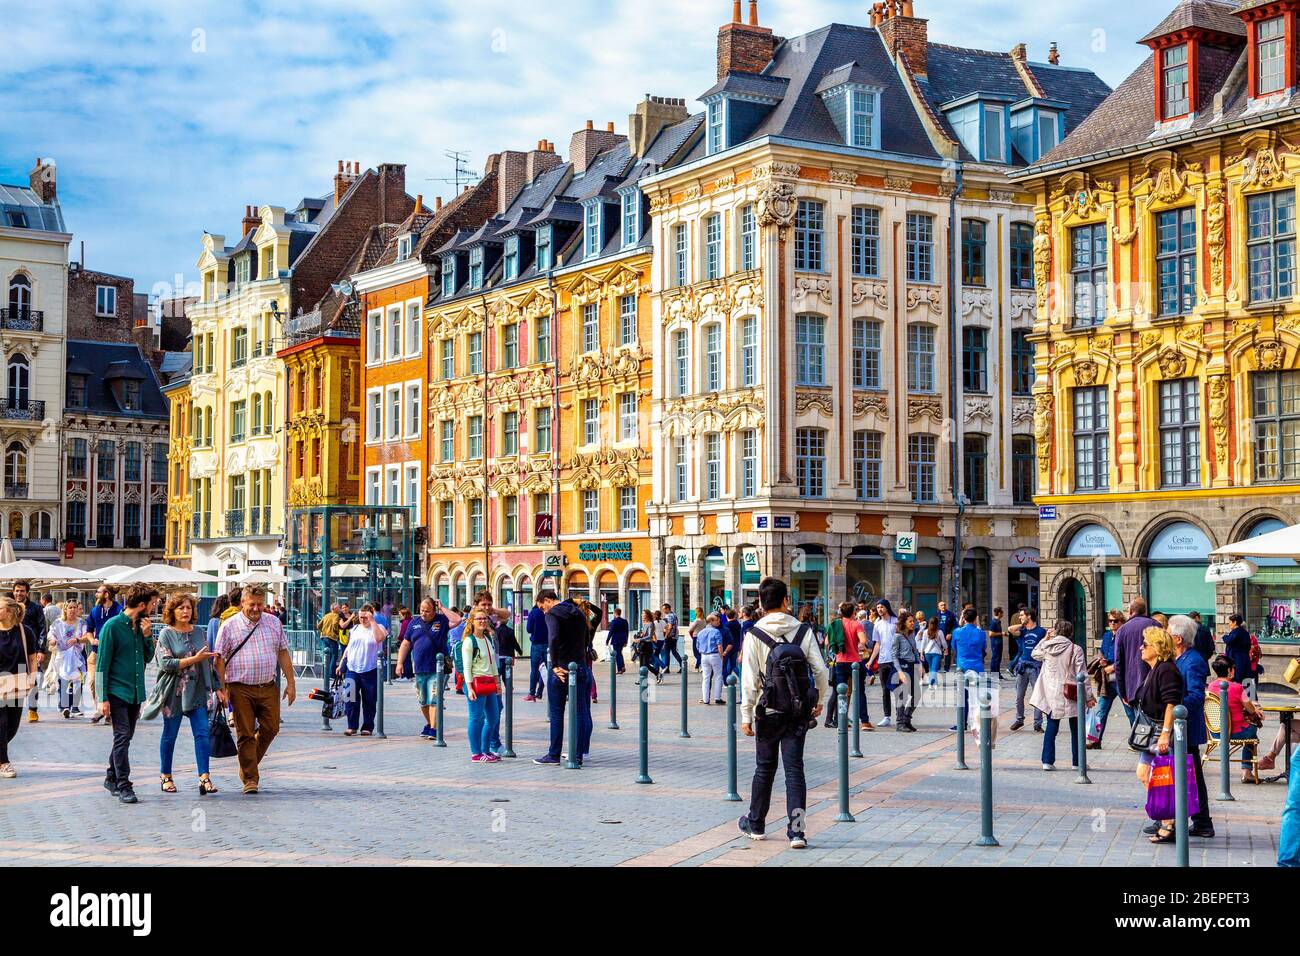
{"x":905,"y":547}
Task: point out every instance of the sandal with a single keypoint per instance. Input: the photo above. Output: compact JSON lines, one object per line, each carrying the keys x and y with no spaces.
{"x":168,"y":785}
{"x":1164,"y":835}
{"x":206,"y":786}
{"x":349,"y":733}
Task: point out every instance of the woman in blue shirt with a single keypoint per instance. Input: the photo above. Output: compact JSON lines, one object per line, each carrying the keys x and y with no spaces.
{"x":1113,"y":621}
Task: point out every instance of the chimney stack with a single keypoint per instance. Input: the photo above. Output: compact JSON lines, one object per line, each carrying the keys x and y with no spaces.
{"x":651,"y":116}
{"x":44,"y":180}
{"x":744,"y":47}
{"x":1054,"y":55}
{"x":437,"y":204}
{"x":1019,"y":53}
{"x":903,"y":33}
{"x":344,"y":178}
{"x":251,"y":220}
{"x":541,"y":160}
{"x":512,"y":177}
{"x":588,"y":143}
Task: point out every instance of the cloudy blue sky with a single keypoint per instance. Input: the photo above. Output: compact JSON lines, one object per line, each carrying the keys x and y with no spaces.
{"x":167,"y":118}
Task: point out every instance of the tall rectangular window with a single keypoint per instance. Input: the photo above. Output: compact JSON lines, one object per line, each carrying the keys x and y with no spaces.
{"x":476,"y":521}
{"x":627,"y":509}
{"x":627,"y":320}
{"x":510,"y":345}
{"x":1022,"y":255}
{"x":448,"y":276}
{"x":631,"y":210}
{"x":809,"y":237}
{"x":866,"y":353}
{"x":995,"y":134}
{"x":920,"y":357}
{"x":446,"y":440}
{"x":238,"y":420}
{"x":474,"y":433}
{"x":132,"y":462}
{"x":974,"y":358}
{"x":681,"y":362}
{"x":920,"y":247}
{"x":411,"y":471}
{"x":510,"y":259}
{"x":591,"y":327}
{"x":1270,"y":247}
{"x":748,"y":351}
{"x":542,"y":347}
{"x":810,"y":350}
{"x":1022,"y":363}
{"x":862,"y":115}
{"x":510,"y":516}
{"x":627,"y":416}
{"x":1180,"y":433}
{"x":590,"y":512}
{"x":713,"y":357}
{"x":810,"y":461}
{"x":105,"y":521}
{"x":867,"y":460}
{"x":374,"y":415}
{"x":1270,"y":46}
{"x":1275,"y":407}
{"x":590,"y":421}
{"x":974,"y":252}
{"x":681,"y":255}
{"x":713,"y":246}
{"x":680,"y":465}
{"x":414,"y":413}
{"x":591,"y":216}
{"x":394,"y":412}
{"x":712,"y":466}
{"x":1023,"y":471}
{"x":975,"y":468}
{"x":510,"y":434}
{"x":447,"y":519}
{"x":77,"y":458}
{"x":922,"y":468}
{"x":475,"y":351}
{"x":1176,"y":261}
{"x":866,"y":242}
{"x":717,"y":126}
{"x":748,"y":463}
{"x":374,"y":336}
{"x":447,"y":350}
{"x":394,"y":332}
{"x":1089,"y":258}
{"x":414,"y":329}
{"x":542,"y":430}
{"x":748,"y":239}
{"x":476,"y":267}
{"x":1091,"y":439}
{"x":1175,"y":90}
{"x":545,"y":259}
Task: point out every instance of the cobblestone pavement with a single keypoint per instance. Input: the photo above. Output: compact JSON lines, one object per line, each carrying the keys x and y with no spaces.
{"x":403,"y":801}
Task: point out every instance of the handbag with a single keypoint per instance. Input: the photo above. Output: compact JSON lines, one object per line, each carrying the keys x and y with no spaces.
{"x":483,"y":684}
{"x":221,"y":743}
{"x":14,"y":688}
{"x":1161,"y":803}
{"x":1145,"y":733}
{"x":1292,"y":673}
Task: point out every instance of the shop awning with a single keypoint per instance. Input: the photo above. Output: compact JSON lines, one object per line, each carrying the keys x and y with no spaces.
{"x":1283,"y":543}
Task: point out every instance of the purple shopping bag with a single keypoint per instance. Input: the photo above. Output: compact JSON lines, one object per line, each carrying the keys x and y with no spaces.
{"x":1160,"y":788}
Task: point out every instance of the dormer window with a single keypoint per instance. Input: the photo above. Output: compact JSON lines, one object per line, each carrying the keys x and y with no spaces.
{"x":862,"y":106}
{"x":981,"y":125}
{"x":631,"y":213}
{"x":403,"y":248}
{"x":591,"y":243}
{"x":854,"y":107}
{"x":449,"y":276}
{"x":476,"y":267}
{"x":510,"y":268}
{"x":1175,"y":84}
{"x":1035,"y":129}
{"x":1270,"y":56}
{"x":717,"y":126}
{"x":131,"y":396}
{"x":544,"y":258}
{"x":995,"y":143}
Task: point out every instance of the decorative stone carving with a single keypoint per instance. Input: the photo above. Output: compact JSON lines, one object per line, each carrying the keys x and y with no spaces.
{"x":1002,"y":195}
{"x":776,"y":206}
{"x":787,"y":170}
{"x":811,"y":287}
{"x":1218,"y":390}
{"x":725,"y":182}
{"x":659,"y":203}
{"x":1085,"y":372}
{"x":898,"y":183}
{"x":1022,"y":306}
{"x":1172,"y":362}
{"x":1022,"y":412}
{"x":844,"y":177}
{"x":1124,"y":238}
{"x":1216,"y":211}
{"x":807,"y":399}
{"x":918,"y":296}
{"x":973,"y":300}
{"x":878,"y":291}
{"x":1149,"y":340}
{"x":918,"y":408}
{"x":1042,"y":261}
{"x":977,"y":408}
{"x":1264,"y":168}
{"x":1268,"y":356}
{"x":1043,"y":410}
{"x":864,"y":402}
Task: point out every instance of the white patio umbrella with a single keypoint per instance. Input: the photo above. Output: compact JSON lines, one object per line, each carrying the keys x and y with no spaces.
{"x":262,"y":577}
{"x":112,"y":570}
{"x":43,"y":573}
{"x":1283,"y":543}
{"x":7,"y":551}
{"x":349,"y":571}
{"x":162,"y":575}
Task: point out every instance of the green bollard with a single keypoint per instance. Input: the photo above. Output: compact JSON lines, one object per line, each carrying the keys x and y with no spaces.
{"x":1225,"y":737}
{"x":440,"y":670}
{"x":963,"y":685}
{"x":842,"y":715}
{"x":732,"y":794}
{"x":681,"y":672}
{"x":1081,"y":735}
{"x":1180,"y":785}
{"x":613,"y":691}
{"x":856,"y":705}
{"x":644,"y":734}
{"x":379,"y":689}
{"x":509,"y":703}
{"x":986,"y":770}
{"x":573,"y":761}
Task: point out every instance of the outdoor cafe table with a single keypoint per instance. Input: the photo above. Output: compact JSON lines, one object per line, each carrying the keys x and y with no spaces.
{"x":1287,"y":712}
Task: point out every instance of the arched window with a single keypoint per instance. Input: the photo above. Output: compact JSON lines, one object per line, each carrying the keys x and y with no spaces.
{"x":257,"y":414}
{"x":15,"y":470}
{"x":19,"y":382}
{"x":16,"y":525}
{"x":20,"y":296}
{"x":267,"y":412}
{"x":42,"y":525}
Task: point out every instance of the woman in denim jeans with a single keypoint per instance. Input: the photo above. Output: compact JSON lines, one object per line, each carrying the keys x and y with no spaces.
{"x":183,"y":651}
{"x":479,"y":662}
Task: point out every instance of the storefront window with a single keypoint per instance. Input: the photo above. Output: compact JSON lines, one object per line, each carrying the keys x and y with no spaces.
{"x":808,"y":581}
{"x":864,"y":573}
{"x":1272,"y":606}
{"x":715,"y":577}
{"x":1176,"y":564}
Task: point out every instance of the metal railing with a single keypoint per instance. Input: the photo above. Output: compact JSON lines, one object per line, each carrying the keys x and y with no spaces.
{"x":16,"y":490}
{"x":235,"y":521}
{"x":34,"y":544}
{"x":202,"y":526}
{"x":259,"y":521}
{"x":22,"y":320}
{"x":32,"y":411}
{"x":306,"y":653}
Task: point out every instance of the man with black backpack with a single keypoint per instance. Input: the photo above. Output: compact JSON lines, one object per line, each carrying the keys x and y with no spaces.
{"x":783,"y":684}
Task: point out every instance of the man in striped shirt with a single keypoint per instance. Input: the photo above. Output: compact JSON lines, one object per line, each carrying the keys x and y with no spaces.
{"x":249,"y":647}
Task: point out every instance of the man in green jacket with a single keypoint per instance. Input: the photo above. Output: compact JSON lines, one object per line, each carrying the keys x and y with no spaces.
{"x":125,"y":647}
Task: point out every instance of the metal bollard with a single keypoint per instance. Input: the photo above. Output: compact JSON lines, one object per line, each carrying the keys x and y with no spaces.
{"x":986,"y":770}
{"x":613,"y":690}
{"x":1225,"y":748}
{"x":573,"y":761}
{"x":963,"y":684}
{"x":379,"y":689}
{"x":681,"y":672}
{"x":509,"y":704}
{"x":1180,"y":785}
{"x":855,"y":703}
{"x":440,"y":670}
{"x":644,"y":732}
{"x":1081,"y":731}
{"x":732,"y":794}
{"x":842,"y":714}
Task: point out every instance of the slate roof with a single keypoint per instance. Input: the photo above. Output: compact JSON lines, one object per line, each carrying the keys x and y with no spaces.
{"x":105,"y":362}
{"x":1204,"y":14}
{"x":174,"y":365}
{"x":44,"y":216}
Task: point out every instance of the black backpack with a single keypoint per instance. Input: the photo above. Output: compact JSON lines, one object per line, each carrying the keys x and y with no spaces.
{"x":789,"y":690}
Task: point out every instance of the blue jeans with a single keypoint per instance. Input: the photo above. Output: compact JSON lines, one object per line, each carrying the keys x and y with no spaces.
{"x":1050,"y":726}
{"x":331,"y":650}
{"x":361,"y":700}
{"x":1248,"y":751}
{"x":198,"y":718}
{"x":1103,"y":713}
{"x":932,"y":667}
{"x":616,"y":652}
{"x":536,"y":667}
{"x":485,"y":723}
{"x":557,"y":698}
{"x":1288,"y":844}
{"x":661,"y":656}
{"x":730,"y":665}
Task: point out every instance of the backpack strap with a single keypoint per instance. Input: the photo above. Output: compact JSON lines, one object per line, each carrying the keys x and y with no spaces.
{"x":763,"y":636}
{"x":800,"y":634}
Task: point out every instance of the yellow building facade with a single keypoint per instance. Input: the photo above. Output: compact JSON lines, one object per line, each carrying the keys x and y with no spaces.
{"x":180,"y":496}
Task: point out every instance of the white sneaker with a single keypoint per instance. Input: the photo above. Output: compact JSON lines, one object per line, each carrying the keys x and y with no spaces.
{"x":887,"y":722}
{"x":7,"y":770}
{"x":1048,"y":766}
{"x":798,"y":843}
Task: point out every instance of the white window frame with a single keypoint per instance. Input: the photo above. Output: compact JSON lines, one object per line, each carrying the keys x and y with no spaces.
{"x":628,"y":413}
{"x":590,"y":422}
{"x":374,"y":481}
{"x":413,"y":413}
{"x":393,"y":333}
{"x":411,"y":488}
{"x":627,"y":511}
{"x":374,"y":415}
{"x":590,"y":512}
{"x":627,"y":319}
{"x":393,"y":413}
{"x":107,"y":293}
{"x":414,"y":328}
{"x":374,"y":336}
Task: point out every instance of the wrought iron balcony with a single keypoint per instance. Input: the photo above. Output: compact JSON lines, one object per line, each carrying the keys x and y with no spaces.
{"x":22,"y":320}
{"x":22,"y":411}
{"x":34,"y":544}
{"x":15,"y":490}
{"x":259,"y":521}
{"x":202,"y":526}
{"x":235,"y":523}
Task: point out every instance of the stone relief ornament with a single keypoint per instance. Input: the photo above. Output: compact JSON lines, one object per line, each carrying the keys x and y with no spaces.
{"x":1043,"y":406}
{"x":776,"y":206}
{"x":918,"y":408}
{"x":898,"y":183}
{"x":1149,"y":340}
{"x":1172,"y":362}
{"x":1085,"y":372}
{"x":844,"y":177}
{"x":809,"y":287}
{"x":1216,"y":211}
{"x":878,"y":291}
{"x":975,"y":301}
{"x":787,"y":170}
{"x":1002,"y":195}
{"x":1042,"y":261}
{"x":977,"y":408}
{"x":864,"y":402}
{"x":1123,"y":238}
{"x":1022,"y":411}
{"x":1218,"y":388}
{"x":1268,"y":356}
{"x":918,"y":296}
{"x":807,"y":399}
